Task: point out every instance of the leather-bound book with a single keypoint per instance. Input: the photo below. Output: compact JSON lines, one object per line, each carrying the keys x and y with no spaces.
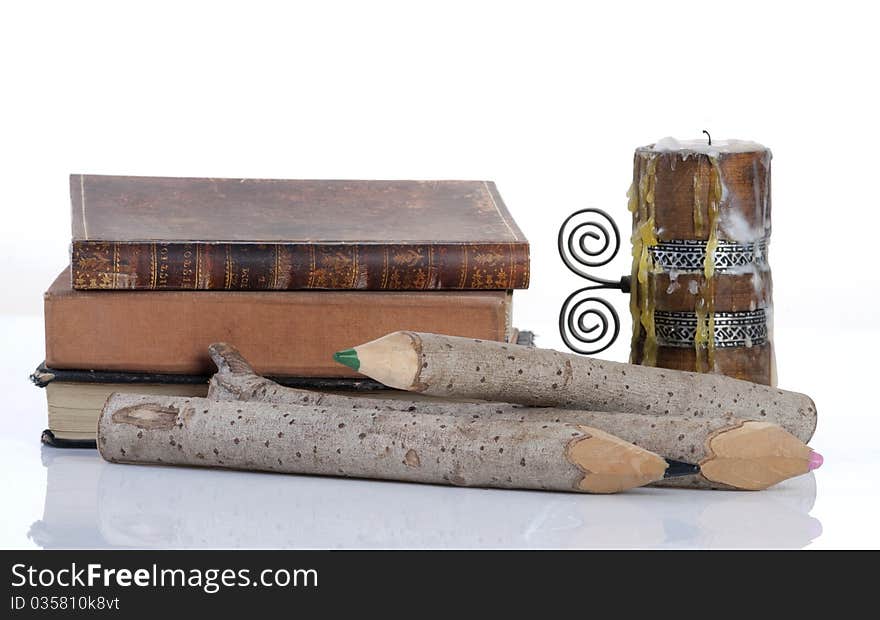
{"x":285,"y":333}
{"x":252,"y":234}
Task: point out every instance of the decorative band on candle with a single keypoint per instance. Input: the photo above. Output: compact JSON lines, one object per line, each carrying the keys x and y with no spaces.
{"x":732,"y":329}
{"x":686,"y":255}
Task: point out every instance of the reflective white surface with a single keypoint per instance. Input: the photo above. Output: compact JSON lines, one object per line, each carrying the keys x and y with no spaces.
{"x":71,"y":498}
{"x":549,"y":104}
{"x":93,"y":503}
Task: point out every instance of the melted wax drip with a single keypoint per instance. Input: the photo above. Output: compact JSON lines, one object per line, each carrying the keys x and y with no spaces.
{"x":642,"y":301}
{"x":698,"y":201}
{"x":641,"y":204}
{"x":704,"y":340}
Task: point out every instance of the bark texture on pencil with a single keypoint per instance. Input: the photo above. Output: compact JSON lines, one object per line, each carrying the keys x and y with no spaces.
{"x":235,"y":379}
{"x":389,"y":445}
{"x":732,"y":453}
{"x":456,"y":367}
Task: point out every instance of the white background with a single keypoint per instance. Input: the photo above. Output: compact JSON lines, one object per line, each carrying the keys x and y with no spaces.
{"x":548,"y":100}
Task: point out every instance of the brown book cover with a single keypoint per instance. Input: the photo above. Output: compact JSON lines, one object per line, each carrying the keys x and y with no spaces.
{"x":291,"y":333}
{"x":253,"y":234}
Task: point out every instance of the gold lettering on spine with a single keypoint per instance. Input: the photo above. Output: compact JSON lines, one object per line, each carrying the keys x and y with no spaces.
{"x":384,"y":267}
{"x":198,"y":282}
{"x":115,"y":265}
{"x":312,"y":267}
{"x":462,"y":276}
{"x":153,"y":264}
{"x":512,"y":266}
{"x":227,"y":284}
{"x":354,"y":266}
{"x":187,"y":272}
{"x":163,"y":266}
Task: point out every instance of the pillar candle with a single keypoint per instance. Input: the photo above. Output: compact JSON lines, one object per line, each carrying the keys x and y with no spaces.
{"x":701,"y":295}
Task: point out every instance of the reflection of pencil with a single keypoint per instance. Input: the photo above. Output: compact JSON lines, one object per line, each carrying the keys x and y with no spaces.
{"x":457,"y":367}
{"x":333,"y":440}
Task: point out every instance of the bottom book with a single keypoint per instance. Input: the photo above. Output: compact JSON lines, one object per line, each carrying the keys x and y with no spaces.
{"x":75,"y":397}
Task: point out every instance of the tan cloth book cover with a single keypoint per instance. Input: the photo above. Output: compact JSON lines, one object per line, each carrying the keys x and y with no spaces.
{"x":282,"y":333}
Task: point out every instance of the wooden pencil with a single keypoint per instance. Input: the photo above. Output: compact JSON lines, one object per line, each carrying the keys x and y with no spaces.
{"x":456,"y":367}
{"x":731,"y":453}
{"x":329,"y":440}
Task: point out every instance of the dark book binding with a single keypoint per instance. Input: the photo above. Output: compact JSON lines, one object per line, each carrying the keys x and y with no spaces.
{"x":43,"y":376}
{"x":248,"y":234}
{"x":49,"y":439}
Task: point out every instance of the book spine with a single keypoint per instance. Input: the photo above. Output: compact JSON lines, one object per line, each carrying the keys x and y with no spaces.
{"x":258,"y":266}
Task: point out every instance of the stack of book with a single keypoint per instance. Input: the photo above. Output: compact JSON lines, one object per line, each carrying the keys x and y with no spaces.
{"x":287,"y":271}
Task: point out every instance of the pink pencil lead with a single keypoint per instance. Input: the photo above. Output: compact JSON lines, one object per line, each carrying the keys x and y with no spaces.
{"x":816,"y":460}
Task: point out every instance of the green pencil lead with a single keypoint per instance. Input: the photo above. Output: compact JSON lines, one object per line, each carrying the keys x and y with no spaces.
{"x":349,"y":358}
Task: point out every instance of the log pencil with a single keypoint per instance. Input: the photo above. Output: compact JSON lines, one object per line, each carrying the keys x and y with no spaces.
{"x":457,"y":367}
{"x":732,"y":453}
{"x":388,"y":445}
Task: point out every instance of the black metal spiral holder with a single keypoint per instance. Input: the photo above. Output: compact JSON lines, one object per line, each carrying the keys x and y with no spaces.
{"x":589,"y":239}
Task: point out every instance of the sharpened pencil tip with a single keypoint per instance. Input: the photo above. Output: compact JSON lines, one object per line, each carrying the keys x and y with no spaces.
{"x":349,"y":358}
{"x":816,"y":460}
{"x":676,"y":469}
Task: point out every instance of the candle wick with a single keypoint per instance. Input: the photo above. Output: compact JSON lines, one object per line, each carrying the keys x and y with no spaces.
{"x":708,"y":136}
